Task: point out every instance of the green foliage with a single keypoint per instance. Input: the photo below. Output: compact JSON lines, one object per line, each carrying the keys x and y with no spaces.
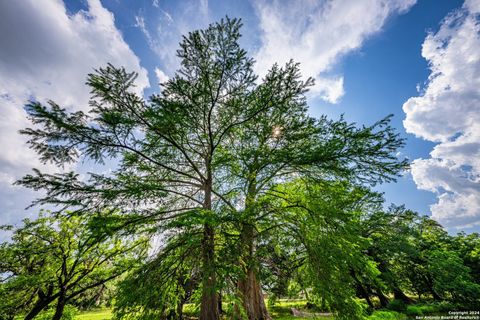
{"x":467,"y":246}
{"x":397,"y":305}
{"x":57,"y":258}
{"x":324,"y":217}
{"x":172,"y":277}
{"x":387,"y":315}
{"x":451,"y":278}
{"x":232,"y":175}
{"x":69,"y":313}
{"x":415,"y":254}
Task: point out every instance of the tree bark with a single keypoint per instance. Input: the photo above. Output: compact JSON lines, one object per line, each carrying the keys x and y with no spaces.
{"x":60,"y":306}
{"x":36,"y":310}
{"x":399,"y":295}
{"x":38,"y":307}
{"x":209,"y":301}
{"x":363,"y":292}
{"x":249,"y":285}
{"x":381,"y":296}
{"x":252,"y":296}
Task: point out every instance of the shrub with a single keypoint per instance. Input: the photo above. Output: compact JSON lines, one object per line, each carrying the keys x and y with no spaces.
{"x":397,"y":305}
{"x":69,"y":313}
{"x":415,"y":311}
{"x":387,"y":315}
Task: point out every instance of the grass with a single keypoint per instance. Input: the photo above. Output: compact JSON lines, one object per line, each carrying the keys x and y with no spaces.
{"x":387,"y":315}
{"x":104,"y":314}
{"x":281,"y":311}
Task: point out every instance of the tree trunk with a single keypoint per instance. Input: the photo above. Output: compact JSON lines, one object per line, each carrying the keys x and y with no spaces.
{"x":363,"y":292}
{"x":60,"y":306}
{"x":252,"y":296}
{"x":249,"y":285}
{"x":397,"y":292}
{"x":209,"y":301}
{"x":381,"y":296}
{"x":435,"y":295}
{"x":180,"y":309}
{"x":34,"y":312}
{"x":37,"y":308}
{"x":365,"y":295}
{"x":399,"y":295}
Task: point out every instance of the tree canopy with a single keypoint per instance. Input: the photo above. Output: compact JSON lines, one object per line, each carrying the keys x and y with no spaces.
{"x":56,"y":258}
{"x":243,"y":190}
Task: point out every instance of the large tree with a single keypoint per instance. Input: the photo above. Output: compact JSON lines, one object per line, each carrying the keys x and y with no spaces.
{"x":283,"y":143}
{"x":203,"y":151}
{"x":56,"y":258}
{"x":167,"y":147}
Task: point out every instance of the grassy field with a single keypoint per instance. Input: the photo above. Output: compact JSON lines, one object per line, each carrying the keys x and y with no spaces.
{"x":281,"y":311}
{"x":95,"y":315}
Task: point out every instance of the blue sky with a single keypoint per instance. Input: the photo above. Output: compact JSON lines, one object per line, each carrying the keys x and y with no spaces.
{"x":418,"y":61}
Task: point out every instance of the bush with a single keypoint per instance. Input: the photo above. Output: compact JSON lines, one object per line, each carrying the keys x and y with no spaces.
{"x":445,"y":306}
{"x":415,"y":311}
{"x":69,"y":313}
{"x":423,"y":309}
{"x":387,"y":315}
{"x":397,"y":305}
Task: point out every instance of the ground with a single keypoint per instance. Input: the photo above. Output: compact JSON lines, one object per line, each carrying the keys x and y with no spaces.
{"x":281,"y":311}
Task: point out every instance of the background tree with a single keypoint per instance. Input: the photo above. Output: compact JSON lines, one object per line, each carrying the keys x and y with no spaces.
{"x":416,"y":255}
{"x":57,"y":258}
{"x":160,"y":287}
{"x":467,"y":247}
{"x":392,"y":247}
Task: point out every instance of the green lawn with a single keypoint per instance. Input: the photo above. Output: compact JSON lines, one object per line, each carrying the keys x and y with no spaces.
{"x":95,"y":315}
{"x":281,"y":311}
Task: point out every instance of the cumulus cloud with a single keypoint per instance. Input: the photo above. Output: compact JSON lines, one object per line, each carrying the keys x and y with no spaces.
{"x":318,"y":33}
{"x":47,"y":54}
{"x":161,"y":76}
{"x":315,"y":33}
{"x":448,"y":112}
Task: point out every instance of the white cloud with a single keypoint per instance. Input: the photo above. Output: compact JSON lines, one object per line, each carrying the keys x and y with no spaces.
{"x":140,"y":23}
{"x":47,"y":54}
{"x":165,"y":32}
{"x":315,"y":33}
{"x":161,"y":76}
{"x":448,"y":112}
{"x":318,"y":33}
